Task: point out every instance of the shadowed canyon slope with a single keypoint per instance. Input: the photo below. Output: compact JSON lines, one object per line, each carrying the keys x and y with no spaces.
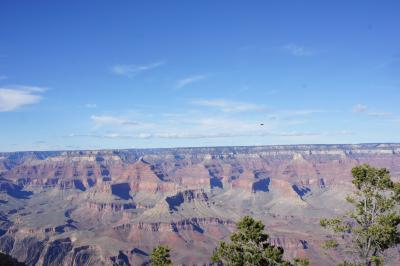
{"x":113,"y":207}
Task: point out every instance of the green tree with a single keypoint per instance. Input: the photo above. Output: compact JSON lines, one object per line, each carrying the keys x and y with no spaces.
{"x":249,"y":246}
{"x":301,"y":262}
{"x":160,"y":256}
{"x":372,"y":225}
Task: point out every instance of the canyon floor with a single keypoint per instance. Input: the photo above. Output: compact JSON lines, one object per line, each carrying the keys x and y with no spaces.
{"x":112,"y":207}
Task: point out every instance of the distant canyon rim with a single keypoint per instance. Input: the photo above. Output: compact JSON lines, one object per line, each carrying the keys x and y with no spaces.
{"x":112,"y":207}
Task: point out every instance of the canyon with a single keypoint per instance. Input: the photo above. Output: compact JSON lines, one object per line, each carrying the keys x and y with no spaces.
{"x":112,"y":207}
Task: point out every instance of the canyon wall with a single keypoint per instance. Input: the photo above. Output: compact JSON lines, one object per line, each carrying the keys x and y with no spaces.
{"x":112,"y":207}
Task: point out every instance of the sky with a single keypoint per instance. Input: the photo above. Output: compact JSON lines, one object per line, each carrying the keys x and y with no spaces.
{"x":148,"y":74}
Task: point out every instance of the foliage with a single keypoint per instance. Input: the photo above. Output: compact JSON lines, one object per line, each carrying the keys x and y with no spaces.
{"x":329,"y":244}
{"x":372,"y":224}
{"x":160,"y":256}
{"x":249,"y":246}
{"x":301,"y":262}
{"x":346,"y":263}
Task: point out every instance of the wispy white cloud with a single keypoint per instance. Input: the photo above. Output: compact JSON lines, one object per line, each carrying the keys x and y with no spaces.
{"x":14,"y":97}
{"x":231,"y":135}
{"x":360,"y":108}
{"x":229,"y":106}
{"x":189,"y":80}
{"x":91,"y":105}
{"x":206,"y":124}
{"x":302,"y":112}
{"x":187,"y":135}
{"x":133,"y":70}
{"x":108,"y":120}
{"x":93,"y":135}
{"x":344,"y":132}
{"x":380,"y":114}
{"x":297,"y":50}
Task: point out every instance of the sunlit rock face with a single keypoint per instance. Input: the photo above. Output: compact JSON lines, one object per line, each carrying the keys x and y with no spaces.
{"x":113,"y":207}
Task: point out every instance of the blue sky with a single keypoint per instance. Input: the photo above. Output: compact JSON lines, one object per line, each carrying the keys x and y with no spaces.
{"x":139,"y":74}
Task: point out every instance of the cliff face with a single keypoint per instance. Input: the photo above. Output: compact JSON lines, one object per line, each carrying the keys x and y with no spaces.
{"x":113,"y":207}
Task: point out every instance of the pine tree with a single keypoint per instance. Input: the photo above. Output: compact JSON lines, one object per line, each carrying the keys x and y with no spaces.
{"x":372,"y":226}
{"x":160,"y":256}
{"x":249,"y":246}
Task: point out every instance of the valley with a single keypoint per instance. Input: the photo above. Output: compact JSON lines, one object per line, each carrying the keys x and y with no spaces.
{"x":112,"y":207}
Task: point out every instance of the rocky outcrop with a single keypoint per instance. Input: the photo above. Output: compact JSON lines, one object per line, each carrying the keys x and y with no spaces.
{"x":110,"y":206}
{"x":187,"y":196}
{"x":6,"y":244}
{"x":190,"y":224}
{"x":28,"y":250}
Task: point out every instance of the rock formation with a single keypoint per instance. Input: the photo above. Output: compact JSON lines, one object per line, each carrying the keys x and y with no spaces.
{"x":112,"y":207}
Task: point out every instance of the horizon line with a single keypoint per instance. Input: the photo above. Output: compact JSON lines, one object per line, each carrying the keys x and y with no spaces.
{"x":205,"y":147}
